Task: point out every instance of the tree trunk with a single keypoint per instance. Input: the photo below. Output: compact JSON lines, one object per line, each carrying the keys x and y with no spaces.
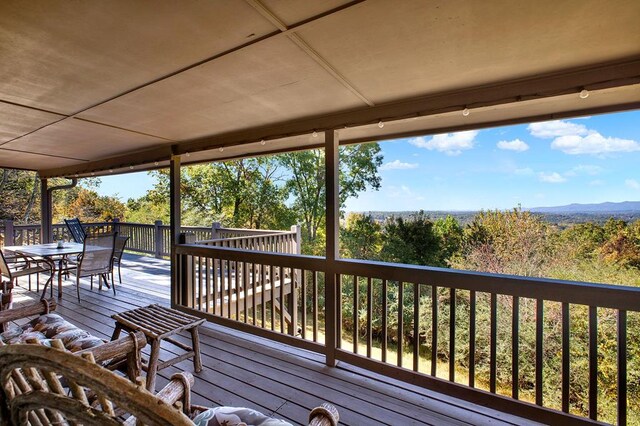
{"x":32,"y":199}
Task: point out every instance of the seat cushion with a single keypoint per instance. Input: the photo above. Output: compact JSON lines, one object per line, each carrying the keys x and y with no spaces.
{"x":235,"y":416}
{"x":49,"y":327}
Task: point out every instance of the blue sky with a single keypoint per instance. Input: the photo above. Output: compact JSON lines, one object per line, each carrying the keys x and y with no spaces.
{"x":585,"y":160}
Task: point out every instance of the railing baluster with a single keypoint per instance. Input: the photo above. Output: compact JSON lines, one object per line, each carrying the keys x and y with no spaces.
{"x":356,"y":321}
{"x":263,"y":301}
{"x":282,"y":304}
{"x":254,"y":278}
{"x":416,"y":326}
{"x":273,"y":295}
{"x":622,"y":367}
{"x":369,"y":314}
{"x":593,"y":362}
{"x":314,"y":277}
{"x":400,"y":322}
{"x":494,"y":343}
{"x":214,"y":284}
{"x":452,"y":334}
{"x":472,"y":338}
{"x":339,"y":311}
{"x":200,"y":283}
{"x":515,"y":353}
{"x":303,"y":278}
{"x":565,"y":357}
{"x":384,"y":320}
{"x":434,"y":330}
{"x":245,"y":284}
{"x":539,"y":353}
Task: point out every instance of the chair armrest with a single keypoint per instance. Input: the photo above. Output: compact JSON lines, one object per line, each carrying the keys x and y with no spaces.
{"x":325,"y":415}
{"x":118,"y":349}
{"x":39,"y":308}
{"x":178,"y":389}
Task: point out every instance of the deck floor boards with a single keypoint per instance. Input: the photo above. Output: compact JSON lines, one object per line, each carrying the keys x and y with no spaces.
{"x":244,"y":370}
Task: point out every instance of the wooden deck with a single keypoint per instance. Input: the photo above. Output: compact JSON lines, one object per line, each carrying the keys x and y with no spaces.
{"x":245,"y":370}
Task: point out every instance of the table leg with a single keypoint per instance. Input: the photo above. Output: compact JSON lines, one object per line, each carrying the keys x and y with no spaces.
{"x":195,"y":341}
{"x":60,"y":279}
{"x":152,"y":369}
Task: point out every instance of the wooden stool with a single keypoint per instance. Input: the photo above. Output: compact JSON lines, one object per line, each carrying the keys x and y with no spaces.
{"x":159,"y":323}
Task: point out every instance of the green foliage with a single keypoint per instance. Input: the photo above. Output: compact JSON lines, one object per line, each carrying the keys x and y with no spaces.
{"x":361,"y":238}
{"x":307,"y":184}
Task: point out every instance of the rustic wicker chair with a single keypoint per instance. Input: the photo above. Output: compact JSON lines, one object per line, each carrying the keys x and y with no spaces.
{"x":96,"y":259}
{"x":122,"y":354}
{"x":45,"y":386}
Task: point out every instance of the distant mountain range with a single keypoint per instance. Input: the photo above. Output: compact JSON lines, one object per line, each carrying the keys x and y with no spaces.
{"x":625,"y":206}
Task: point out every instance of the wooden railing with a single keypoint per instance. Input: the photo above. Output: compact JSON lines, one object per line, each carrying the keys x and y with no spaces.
{"x":449,"y":334}
{"x":154,"y":239}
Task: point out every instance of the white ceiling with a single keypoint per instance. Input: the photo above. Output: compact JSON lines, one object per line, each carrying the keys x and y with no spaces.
{"x":87,"y":86}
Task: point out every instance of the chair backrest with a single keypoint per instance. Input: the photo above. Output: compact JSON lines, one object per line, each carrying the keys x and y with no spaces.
{"x":121,"y":242}
{"x":4,"y":267}
{"x":60,"y":387}
{"x":76,"y":230}
{"x":97,"y":254}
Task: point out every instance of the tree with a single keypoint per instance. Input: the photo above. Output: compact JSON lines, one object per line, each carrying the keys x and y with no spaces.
{"x":358,"y":171}
{"x":361,"y":238}
{"x":247,"y":193}
{"x":414,"y":241}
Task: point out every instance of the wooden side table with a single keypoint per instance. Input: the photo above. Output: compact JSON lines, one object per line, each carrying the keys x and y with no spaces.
{"x":159,"y":323}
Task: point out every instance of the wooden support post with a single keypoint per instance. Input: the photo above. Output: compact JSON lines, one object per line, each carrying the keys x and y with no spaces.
{"x":8,"y":232}
{"x":157,"y":238}
{"x":214,"y":230}
{"x":46,"y":227}
{"x":175,"y":213}
{"x":297,"y":239}
{"x":115,"y":226}
{"x":331,"y":144}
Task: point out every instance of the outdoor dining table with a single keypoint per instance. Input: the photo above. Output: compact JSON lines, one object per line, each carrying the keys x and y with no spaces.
{"x":50,"y":253}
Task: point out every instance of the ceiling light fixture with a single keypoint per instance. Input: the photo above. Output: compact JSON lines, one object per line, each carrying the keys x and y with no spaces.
{"x":221,"y":149}
{"x":130,"y":167}
{"x":380,"y":124}
{"x":314,"y":134}
{"x":262,"y":142}
{"x":156,"y":163}
{"x":584,"y":94}
{"x":110,"y":170}
{"x":188,"y":154}
{"x":466,"y":112}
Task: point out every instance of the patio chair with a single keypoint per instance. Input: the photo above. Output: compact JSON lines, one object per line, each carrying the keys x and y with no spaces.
{"x":21,"y":267}
{"x":121,"y":243}
{"x":61,"y":388}
{"x":76,"y":230}
{"x":96,"y":259}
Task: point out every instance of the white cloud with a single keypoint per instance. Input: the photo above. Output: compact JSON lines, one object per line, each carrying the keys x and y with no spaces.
{"x":585,"y":169}
{"x":593,"y":143}
{"x":514,"y":145}
{"x":402,"y":191}
{"x":525,"y":171}
{"x":556,"y":128}
{"x":553,"y":177}
{"x":398,"y":165}
{"x":632,"y":183}
{"x":449,"y":143}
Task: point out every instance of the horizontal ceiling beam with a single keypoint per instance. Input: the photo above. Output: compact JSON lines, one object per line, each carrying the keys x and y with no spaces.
{"x":539,"y":87}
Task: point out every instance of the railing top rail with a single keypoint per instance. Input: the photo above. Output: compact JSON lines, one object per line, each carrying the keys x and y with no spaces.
{"x":581,"y":293}
{"x":243,"y":237}
{"x":254,"y":231}
{"x":299,"y":261}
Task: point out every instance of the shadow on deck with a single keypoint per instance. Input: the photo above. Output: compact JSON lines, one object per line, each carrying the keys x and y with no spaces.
{"x":244,"y":370}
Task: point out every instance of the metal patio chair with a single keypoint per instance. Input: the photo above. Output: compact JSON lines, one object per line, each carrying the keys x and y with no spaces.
{"x":121,"y":243}
{"x":96,"y":259}
{"x":23,"y":268}
{"x":76,"y":230}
